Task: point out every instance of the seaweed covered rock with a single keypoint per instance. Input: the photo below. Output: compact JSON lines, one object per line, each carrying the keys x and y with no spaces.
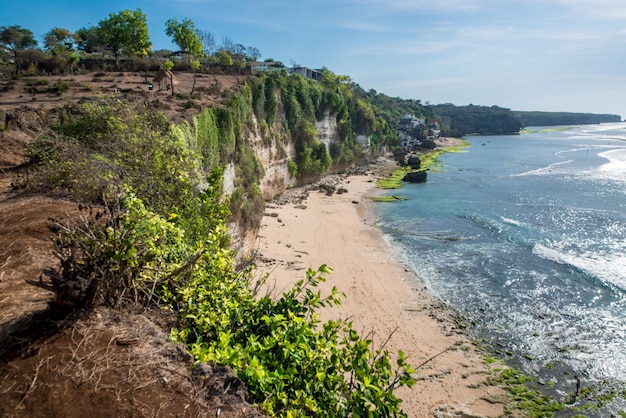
{"x":415,"y":177}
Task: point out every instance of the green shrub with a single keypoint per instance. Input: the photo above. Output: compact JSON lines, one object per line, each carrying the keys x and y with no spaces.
{"x":291,"y":362}
{"x":60,"y":87}
{"x":293,"y":168}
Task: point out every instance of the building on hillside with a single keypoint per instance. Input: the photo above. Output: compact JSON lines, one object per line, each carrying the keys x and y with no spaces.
{"x":409,"y":122}
{"x":254,"y":67}
{"x":410,"y":130}
{"x":305,"y":72}
{"x":434,"y":130}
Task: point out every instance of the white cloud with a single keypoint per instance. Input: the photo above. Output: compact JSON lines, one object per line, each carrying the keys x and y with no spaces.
{"x":599,"y":9}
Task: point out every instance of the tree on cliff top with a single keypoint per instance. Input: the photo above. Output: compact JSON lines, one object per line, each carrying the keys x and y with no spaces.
{"x":16,"y":38}
{"x":185,"y":35}
{"x":61,"y":43}
{"x":126,"y":33}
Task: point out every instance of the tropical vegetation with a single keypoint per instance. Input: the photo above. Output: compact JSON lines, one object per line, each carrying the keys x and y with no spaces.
{"x":152,"y":228}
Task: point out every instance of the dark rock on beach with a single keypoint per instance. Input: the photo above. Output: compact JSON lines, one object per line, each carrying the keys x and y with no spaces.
{"x":415,"y":177}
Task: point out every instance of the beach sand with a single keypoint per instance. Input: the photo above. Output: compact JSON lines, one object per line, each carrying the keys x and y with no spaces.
{"x":382,"y":295}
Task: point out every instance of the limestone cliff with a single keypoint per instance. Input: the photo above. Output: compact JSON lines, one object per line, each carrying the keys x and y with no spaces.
{"x":274,"y":149}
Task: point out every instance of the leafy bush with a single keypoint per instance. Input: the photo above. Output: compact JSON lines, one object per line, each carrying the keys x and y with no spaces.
{"x":60,"y":87}
{"x":292,"y":363}
{"x":292,"y":167}
{"x":98,"y":147}
{"x":120,"y":259}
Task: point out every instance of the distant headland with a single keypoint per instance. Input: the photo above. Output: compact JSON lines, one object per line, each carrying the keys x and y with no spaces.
{"x":537,"y":118}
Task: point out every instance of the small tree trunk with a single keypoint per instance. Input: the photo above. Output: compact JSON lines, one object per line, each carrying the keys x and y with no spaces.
{"x":193,"y":86}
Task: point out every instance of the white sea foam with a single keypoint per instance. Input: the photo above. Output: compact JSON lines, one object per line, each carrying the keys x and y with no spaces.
{"x":616,"y":167}
{"x":511,"y":221}
{"x":543,"y":170}
{"x":610,"y":268}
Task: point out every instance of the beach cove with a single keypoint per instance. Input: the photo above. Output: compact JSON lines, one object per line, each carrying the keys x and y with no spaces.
{"x":306,"y":228}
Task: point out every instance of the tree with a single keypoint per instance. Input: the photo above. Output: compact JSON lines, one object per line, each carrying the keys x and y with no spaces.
{"x":224,"y":58}
{"x":228,"y":45}
{"x":254,"y":53}
{"x":16,"y":38}
{"x":61,"y":43}
{"x":90,"y":40}
{"x":186,"y":37}
{"x":208,"y":42}
{"x":126,"y":33}
{"x":167,"y":66}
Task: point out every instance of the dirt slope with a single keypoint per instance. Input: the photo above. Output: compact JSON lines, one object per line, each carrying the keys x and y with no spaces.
{"x":108,"y":363}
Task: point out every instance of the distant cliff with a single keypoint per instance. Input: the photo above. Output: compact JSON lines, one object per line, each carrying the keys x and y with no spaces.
{"x":462,"y":120}
{"x":536,"y":118}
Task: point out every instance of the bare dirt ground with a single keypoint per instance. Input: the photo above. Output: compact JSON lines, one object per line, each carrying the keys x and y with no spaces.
{"x":108,"y":363}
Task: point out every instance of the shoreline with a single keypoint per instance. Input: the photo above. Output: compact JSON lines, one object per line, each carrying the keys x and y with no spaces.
{"x":309,"y":228}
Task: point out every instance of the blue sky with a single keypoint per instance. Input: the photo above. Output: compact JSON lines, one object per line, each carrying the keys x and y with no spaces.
{"x":554,"y":55}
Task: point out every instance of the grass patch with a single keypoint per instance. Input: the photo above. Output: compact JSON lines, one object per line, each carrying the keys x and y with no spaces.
{"x":392,"y":198}
{"x":394,"y":181}
{"x":429,"y":161}
{"x":515,"y":383}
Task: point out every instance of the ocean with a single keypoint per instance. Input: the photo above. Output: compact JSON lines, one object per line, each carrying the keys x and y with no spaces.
{"x":525,"y":237}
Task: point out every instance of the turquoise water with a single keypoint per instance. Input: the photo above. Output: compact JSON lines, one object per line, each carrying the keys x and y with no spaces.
{"x":525,"y":236}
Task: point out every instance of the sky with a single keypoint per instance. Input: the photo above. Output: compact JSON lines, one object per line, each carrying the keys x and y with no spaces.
{"x":550,"y":55}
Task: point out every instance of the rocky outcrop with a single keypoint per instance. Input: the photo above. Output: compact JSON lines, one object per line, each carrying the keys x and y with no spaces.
{"x":406,"y":158}
{"x":415,"y":177}
{"x":414,"y":162}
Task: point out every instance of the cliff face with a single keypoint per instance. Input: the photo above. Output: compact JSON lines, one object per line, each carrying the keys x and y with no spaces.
{"x":274,"y":149}
{"x":273,"y":153}
{"x":327,"y":131}
{"x":249,"y":131}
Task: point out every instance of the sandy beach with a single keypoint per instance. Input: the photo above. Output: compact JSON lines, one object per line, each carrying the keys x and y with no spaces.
{"x":382,"y":295}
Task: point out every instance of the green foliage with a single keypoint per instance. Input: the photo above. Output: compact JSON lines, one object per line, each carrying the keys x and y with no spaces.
{"x":250,"y":168}
{"x":126,"y":33}
{"x":252,"y":209}
{"x":312,"y":157}
{"x":60,"y":87}
{"x":97,"y":147}
{"x":292,"y":363}
{"x":15,"y":39}
{"x":168,"y":64}
{"x":463,"y":120}
{"x":226,"y":126}
{"x":119,"y":260}
{"x":60,"y":42}
{"x":522,"y":397}
{"x":207,"y":138}
{"x":90,"y":39}
{"x":271,"y":102}
{"x":292,"y":167}
{"x":185,"y":35}
{"x":536,"y":118}
{"x":258,"y":98}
